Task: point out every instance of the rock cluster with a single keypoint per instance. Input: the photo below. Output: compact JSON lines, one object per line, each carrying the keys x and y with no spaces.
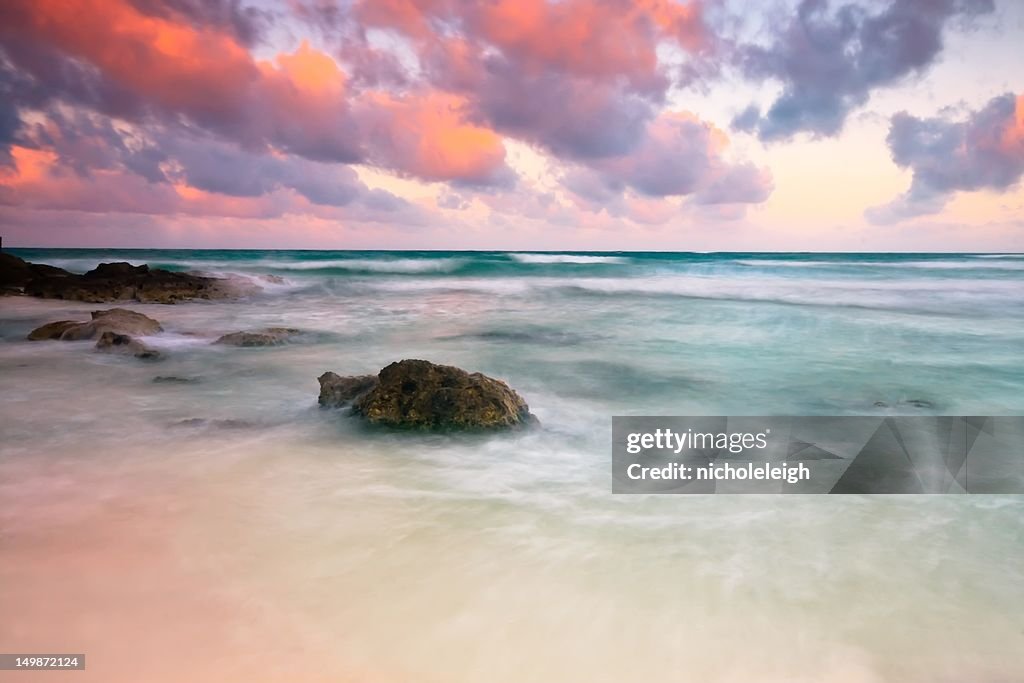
{"x":419,"y":394}
{"x":110,"y":282}
{"x":112,"y":329}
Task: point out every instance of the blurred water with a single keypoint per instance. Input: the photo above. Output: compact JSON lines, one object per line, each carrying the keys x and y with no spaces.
{"x":505,"y":558}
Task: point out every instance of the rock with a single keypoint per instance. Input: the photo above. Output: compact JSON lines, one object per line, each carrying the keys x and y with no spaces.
{"x":112,"y":342}
{"x":270,"y":336}
{"x":920,"y":403}
{"x":422,"y":395}
{"x":16,"y":273}
{"x":116,"y":270}
{"x":337,"y":391}
{"x":125,"y":321}
{"x":53,"y":330}
{"x":13,"y":270}
{"x":122,"y":282}
{"x":171,"y":379}
{"x":221,"y":424}
{"x":117,"y":320}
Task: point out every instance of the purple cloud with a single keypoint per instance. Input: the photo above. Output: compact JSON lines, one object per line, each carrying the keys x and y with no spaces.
{"x":829,"y":61}
{"x":983,"y":151}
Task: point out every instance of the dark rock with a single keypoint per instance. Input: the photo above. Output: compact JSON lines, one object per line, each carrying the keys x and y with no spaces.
{"x":13,"y":270}
{"x":171,"y":379}
{"x":270,"y":336}
{"x":53,"y":330}
{"x":920,"y":403}
{"x":222,"y":424}
{"x":123,"y":282}
{"x":422,"y":395}
{"x":16,"y":273}
{"x":337,"y":391}
{"x":881,"y":404}
{"x":112,"y":342}
{"x":116,"y":270}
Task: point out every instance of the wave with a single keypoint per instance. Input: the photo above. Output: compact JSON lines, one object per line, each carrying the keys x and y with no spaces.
{"x":564,"y":258}
{"x":407,"y":265}
{"x":925,"y":265}
{"x":920,"y":294}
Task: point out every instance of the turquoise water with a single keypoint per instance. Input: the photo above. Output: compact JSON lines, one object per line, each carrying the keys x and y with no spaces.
{"x":673,"y":333}
{"x":231,"y":517}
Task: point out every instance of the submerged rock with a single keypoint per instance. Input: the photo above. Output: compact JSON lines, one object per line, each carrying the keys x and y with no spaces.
{"x":423,"y":395}
{"x":112,"y":342}
{"x":171,"y":379}
{"x":912,"y":402}
{"x":920,"y":403}
{"x":269,"y":336}
{"x":221,"y":424}
{"x":337,"y":391}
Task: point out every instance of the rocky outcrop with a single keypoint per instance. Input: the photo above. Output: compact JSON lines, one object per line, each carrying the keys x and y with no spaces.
{"x":112,"y":342}
{"x":337,"y":391}
{"x":110,"y":282}
{"x":269,"y":336}
{"x":118,"y":320}
{"x":419,"y":394}
{"x":16,"y":272}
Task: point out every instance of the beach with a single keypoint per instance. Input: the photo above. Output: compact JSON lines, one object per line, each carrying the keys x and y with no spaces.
{"x":219,"y":525}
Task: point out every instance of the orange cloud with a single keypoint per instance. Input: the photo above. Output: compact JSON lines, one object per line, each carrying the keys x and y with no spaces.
{"x":1013,"y":136}
{"x":428,"y":136}
{"x":174,"y":64}
{"x":589,"y":37}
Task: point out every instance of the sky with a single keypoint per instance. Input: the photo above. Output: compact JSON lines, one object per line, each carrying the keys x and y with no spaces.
{"x":701,"y":125}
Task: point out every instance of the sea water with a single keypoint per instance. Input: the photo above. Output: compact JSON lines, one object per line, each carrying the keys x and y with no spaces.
{"x":222,"y":527}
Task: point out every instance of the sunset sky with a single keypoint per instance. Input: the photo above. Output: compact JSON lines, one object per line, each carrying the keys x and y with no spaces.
{"x":513,"y":124}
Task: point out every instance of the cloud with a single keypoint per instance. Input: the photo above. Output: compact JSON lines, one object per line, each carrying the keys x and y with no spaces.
{"x":984,"y":151}
{"x":245,"y":24}
{"x":158,"y":69}
{"x":829,"y":60}
{"x":679,"y":155}
{"x":580,"y":78}
{"x":428,"y":136}
{"x":80,"y":161}
{"x":590,"y":39}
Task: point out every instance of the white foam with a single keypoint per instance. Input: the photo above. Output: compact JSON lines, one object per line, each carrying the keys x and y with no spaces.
{"x":564,"y":258}
{"x":388,"y":265}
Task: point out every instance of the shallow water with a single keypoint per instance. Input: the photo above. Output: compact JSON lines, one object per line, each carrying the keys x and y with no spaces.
{"x":228,"y":529}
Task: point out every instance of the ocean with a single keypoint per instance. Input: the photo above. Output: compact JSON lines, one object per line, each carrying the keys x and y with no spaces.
{"x":225,"y":528}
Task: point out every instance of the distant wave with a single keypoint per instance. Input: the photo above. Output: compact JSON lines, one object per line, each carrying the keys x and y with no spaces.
{"x":926,"y":265}
{"x":432,"y":265}
{"x":920,"y":294}
{"x":564,"y":258}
